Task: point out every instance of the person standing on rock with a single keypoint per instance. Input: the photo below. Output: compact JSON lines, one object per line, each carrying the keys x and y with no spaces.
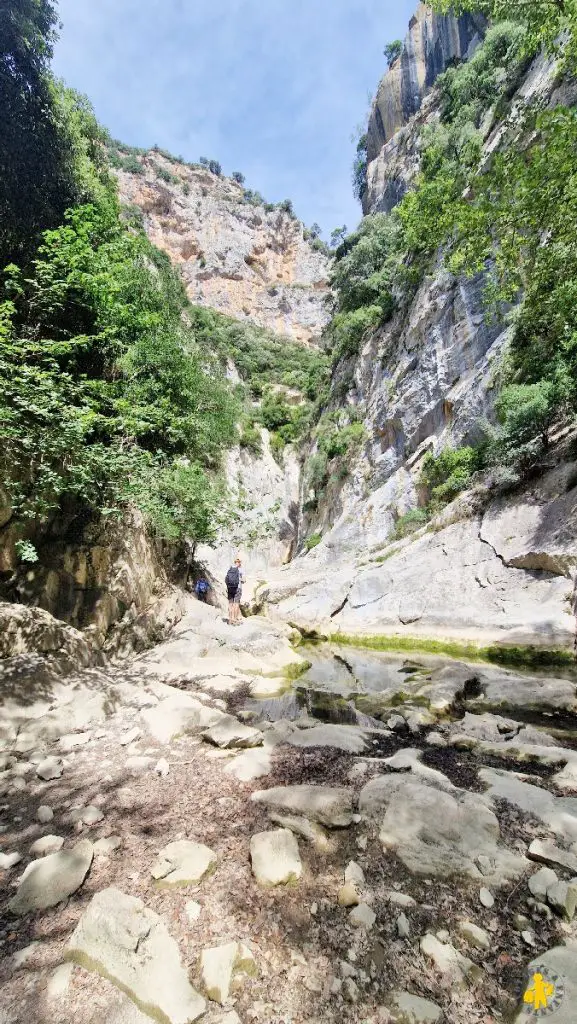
{"x":234,"y":581}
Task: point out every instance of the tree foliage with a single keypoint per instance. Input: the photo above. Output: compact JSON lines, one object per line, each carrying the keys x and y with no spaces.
{"x":50,"y":144}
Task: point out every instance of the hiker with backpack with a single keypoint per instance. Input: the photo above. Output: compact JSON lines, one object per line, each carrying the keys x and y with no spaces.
{"x":201,"y":589}
{"x":233,"y":581}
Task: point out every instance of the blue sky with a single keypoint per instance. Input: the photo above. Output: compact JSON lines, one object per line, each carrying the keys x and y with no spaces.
{"x":273,"y":88}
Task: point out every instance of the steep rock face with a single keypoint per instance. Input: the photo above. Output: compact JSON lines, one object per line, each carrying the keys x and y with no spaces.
{"x":94,"y":575}
{"x":239,"y":259}
{"x":433,"y":42}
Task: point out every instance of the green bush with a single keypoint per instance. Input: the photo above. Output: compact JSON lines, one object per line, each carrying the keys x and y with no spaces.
{"x":313,"y":541}
{"x":393,"y":51}
{"x":410,"y":523}
{"x":447,"y":474}
{"x":251,"y":439}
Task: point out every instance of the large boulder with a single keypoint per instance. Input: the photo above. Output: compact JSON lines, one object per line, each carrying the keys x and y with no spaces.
{"x":124,"y":941}
{"x":52,"y":879}
{"x":439,"y":833}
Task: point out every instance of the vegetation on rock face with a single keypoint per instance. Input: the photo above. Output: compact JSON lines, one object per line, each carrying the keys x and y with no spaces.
{"x":511,"y":218}
{"x":393,"y":51}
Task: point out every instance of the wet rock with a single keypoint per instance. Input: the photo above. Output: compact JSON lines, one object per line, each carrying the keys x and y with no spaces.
{"x":563,"y":897}
{"x":50,"y":768}
{"x":475,"y":936}
{"x":44,"y":814}
{"x":330,"y":806}
{"x":486,"y":898}
{"x":348,"y":896}
{"x":412,"y":1009}
{"x":447,"y":959}
{"x":438,"y":833}
{"x":120,"y":938}
{"x":362,"y":917}
{"x":46,"y":845}
{"x":541,"y":881}
{"x":275,"y":857}
{"x":182,"y":863}
{"x":51,"y":879}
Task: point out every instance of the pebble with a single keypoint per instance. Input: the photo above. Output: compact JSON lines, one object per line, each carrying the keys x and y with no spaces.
{"x":130,"y":736}
{"x":403,"y":927}
{"x":314,"y":909}
{"x":348,"y":896}
{"x":487,"y":899}
{"x":192,"y":910}
{"x":162,"y":767}
{"x":354,"y":873}
{"x":44,"y":814}
{"x":350,"y":991}
{"x":9,"y":860}
{"x":542,"y":880}
{"x":362,"y":842}
{"x":528,"y":937}
{"x":362,"y":916}
{"x":520,"y":922}
{"x":50,"y":768}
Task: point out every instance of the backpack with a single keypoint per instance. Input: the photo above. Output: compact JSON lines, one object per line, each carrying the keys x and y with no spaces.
{"x":232,"y":579}
{"x":201,"y":587}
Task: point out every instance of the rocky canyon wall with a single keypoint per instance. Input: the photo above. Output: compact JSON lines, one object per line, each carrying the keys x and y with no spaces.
{"x":248,"y":262}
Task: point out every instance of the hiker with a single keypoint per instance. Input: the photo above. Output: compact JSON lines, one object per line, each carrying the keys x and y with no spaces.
{"x":234,"y":581}
{"x":201,"y":589}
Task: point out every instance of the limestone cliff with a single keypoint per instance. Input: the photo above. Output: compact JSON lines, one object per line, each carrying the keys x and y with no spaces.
{"x":433,"y":42}
{"x":246,"y":261}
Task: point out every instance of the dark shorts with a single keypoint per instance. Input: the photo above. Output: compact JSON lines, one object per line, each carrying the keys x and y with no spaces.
{"x":235,"y":595}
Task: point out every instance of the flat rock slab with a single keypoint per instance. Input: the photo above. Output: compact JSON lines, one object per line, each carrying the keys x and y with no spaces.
{"x":348,"y":738}
{"x":275,"y":857}
{"x":183,"y":863}
{"x":436,"y":833}
{"x":559,"y":813}
{"x":253,"y":764}
{"x":549,"y":853}
{"x":229,"y":732}
{"x":330,"y":806}
{"x":410,"y":1009}
{"x":178,"y":715}
{"x":51,"y":879}
{"x":560,"y":962}
{"x":124,"y":941}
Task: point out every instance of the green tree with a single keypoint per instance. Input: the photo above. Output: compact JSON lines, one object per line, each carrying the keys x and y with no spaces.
{"x":393,"y":51}
{"x":545,"y":19}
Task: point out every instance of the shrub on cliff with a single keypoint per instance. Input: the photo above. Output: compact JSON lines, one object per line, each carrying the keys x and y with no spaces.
{"x":101,"y":385}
